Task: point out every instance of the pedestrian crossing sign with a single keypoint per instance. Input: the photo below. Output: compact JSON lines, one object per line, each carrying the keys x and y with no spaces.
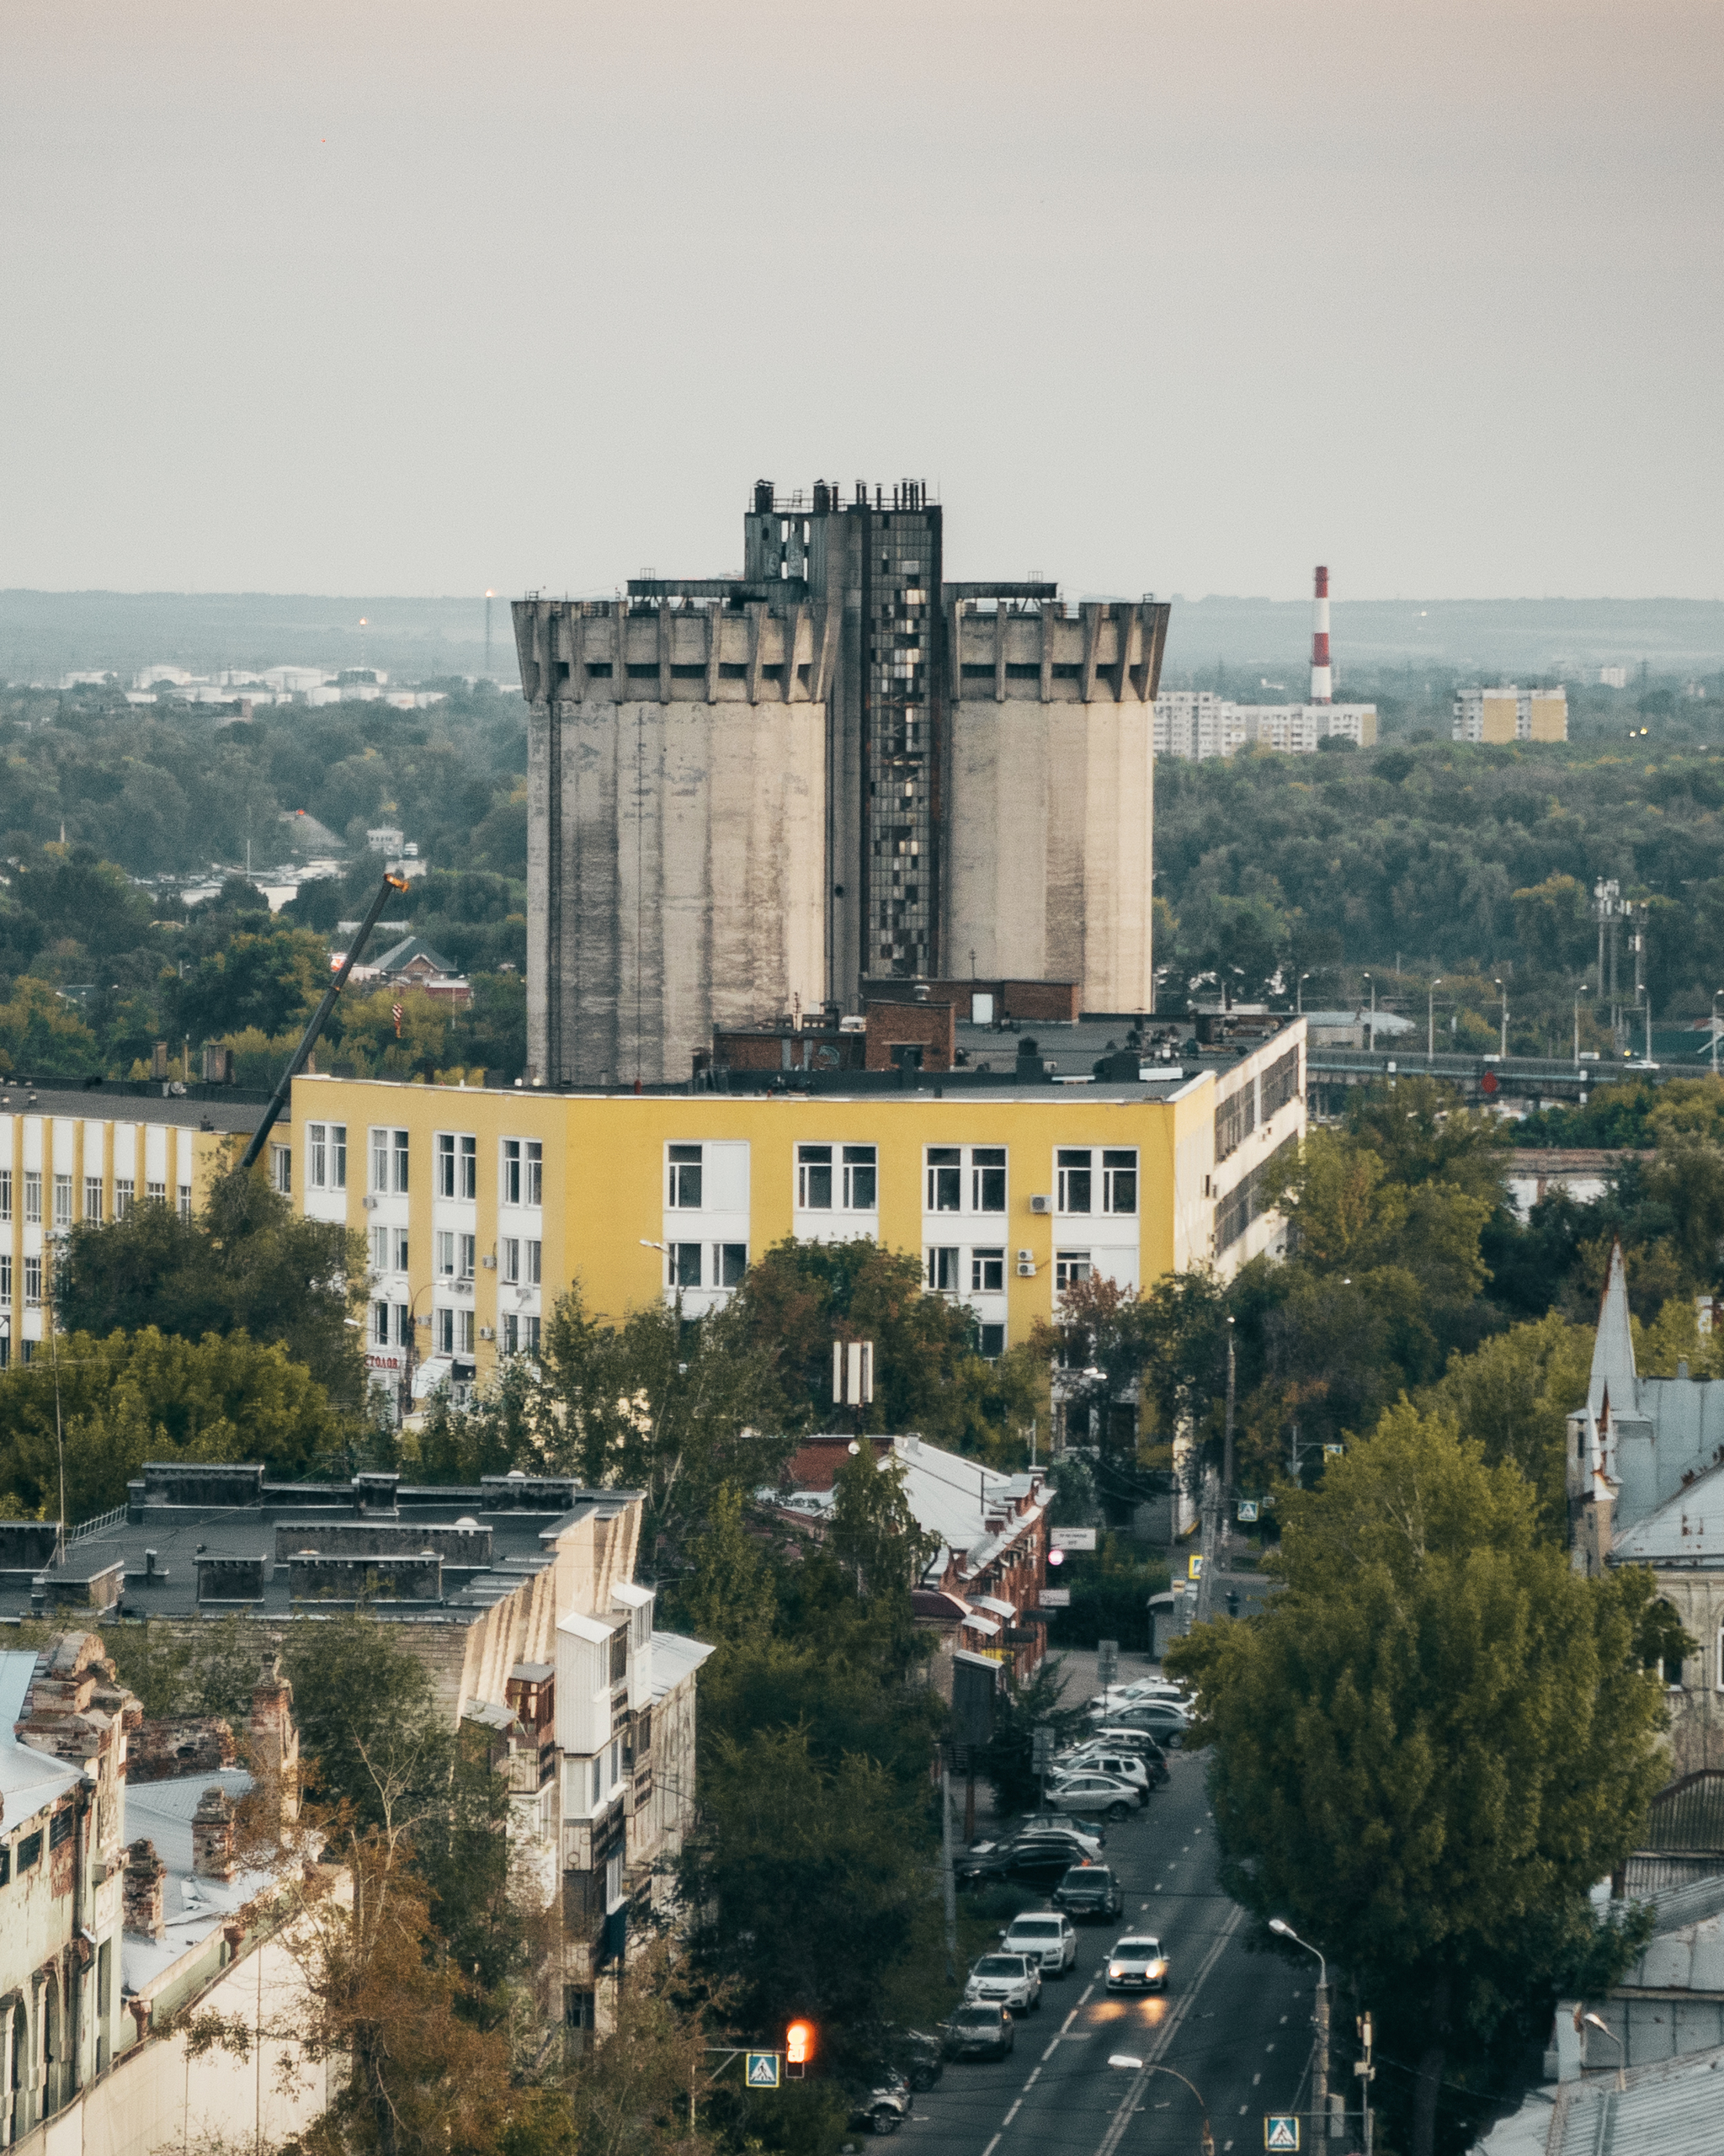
{"x":762,"y":2070}
{"x":1280,"y":2130}
{"x":1193,"y":1567}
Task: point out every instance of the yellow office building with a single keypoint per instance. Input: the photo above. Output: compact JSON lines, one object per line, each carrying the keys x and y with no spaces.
{"x":480,"y":1205}
{"x":61,"y":1162}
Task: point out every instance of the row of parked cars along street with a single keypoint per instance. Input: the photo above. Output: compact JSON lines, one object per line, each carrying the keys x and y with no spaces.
{"x":1112,"y":1772}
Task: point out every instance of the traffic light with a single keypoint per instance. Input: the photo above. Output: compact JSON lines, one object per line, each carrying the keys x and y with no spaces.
{"x":799,"y":2047}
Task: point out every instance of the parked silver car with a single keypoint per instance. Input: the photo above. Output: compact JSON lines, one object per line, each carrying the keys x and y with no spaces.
{"x":1013,"y":1980}
{"x":1108,"y":1795}
{"x":979,"y":2030}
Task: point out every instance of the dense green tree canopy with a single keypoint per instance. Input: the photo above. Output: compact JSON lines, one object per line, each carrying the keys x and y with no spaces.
{"x":1465,"y":860}
{"x":1434,"y":1741}
{"x":122,"y":1398}
{"x":799,"y":1297}
{"x":246,"y":1264}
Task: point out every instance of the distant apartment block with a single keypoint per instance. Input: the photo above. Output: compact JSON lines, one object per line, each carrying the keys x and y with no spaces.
{"x":1511,"y":713}
{"x":1193,"y":723}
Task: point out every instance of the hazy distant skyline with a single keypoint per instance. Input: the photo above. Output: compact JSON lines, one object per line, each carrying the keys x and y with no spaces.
{"x":425,"y":299}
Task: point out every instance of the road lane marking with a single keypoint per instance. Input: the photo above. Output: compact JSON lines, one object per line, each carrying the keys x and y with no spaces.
{"x":1165,"y":2037}
{"x":1012,"y":2113}
{"x":1255,"y":2079}
{"x":1033,"y":2078}
{"x":1049,"y":2052}
{"x":1083,"y":1996}
{"x":1067,"y":2022}
{"x":992,"y":2146}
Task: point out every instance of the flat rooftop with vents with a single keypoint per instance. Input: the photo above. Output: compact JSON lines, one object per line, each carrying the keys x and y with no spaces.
{"x":475,"y":1566}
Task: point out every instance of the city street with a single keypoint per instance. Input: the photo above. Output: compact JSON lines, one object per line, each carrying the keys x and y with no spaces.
{"x":1236,"y":2025}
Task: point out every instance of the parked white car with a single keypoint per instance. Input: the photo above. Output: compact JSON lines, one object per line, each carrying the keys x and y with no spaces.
{"x":1043,"y":1936}
{"x":1140,"y":1689}
{"x":1013,"y":1980}
{"x":1102,"y":1759}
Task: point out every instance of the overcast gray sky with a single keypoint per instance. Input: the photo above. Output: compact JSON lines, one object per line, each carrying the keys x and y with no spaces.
{"x":423,"y":297}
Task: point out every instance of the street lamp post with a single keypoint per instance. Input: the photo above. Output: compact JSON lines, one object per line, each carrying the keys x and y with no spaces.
{"x":1717,"y":992}
{"x":1133,"y":2065}
{"x":1503,"y":993}
{"x":1372,"y":1049}
{"x":1228,"y":1445}
{"x":1299,"y":994}
{"x":1430,"y":1017}
{"x":1320,"y":2072}
{"x":1578,"y":994}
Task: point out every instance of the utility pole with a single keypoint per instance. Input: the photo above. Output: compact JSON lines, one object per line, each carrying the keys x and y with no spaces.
{"x":1430,"y":1017}
{"x":1041,"y":1756}
{"x":1227,"y":1442}
{"x":1504,"y":994}
{"x":948,"y":1878}
{"x":1367,"y":2073}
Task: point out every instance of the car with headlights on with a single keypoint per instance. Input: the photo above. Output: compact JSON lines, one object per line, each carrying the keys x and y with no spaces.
{"x":979,"y":2030}
{"x":1012,"y":1980}
{"x":1137,"y":1963}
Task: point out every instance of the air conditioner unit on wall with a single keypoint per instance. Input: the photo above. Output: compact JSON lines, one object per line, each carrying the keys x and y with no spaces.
{"x":486,"y":1332}
{"x":370,"y":1205}
{"x":1026,"y":1272}
{"x":1041,"y":1204}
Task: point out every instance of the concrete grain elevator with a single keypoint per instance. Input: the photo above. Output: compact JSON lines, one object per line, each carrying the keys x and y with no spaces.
{"x":750,"y":794}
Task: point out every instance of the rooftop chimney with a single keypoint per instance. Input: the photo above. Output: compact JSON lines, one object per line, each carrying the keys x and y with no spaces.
{"x":275,"y":1743}
{"x":141,"y":1892}
{"x":212,"y":1834}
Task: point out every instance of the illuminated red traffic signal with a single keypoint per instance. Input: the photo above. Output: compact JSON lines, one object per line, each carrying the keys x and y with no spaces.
{"x":799,"y":2045}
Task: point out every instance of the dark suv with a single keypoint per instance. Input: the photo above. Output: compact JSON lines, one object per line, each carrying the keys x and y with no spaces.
{"x":1043,"y":1855}
{"x":1089,"y":1890}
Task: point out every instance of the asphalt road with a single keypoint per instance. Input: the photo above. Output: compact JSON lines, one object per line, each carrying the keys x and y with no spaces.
{"x":1236,"y":2025}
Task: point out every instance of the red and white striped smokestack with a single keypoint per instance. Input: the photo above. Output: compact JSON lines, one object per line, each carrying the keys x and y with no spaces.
{"x":1320,"y":641}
